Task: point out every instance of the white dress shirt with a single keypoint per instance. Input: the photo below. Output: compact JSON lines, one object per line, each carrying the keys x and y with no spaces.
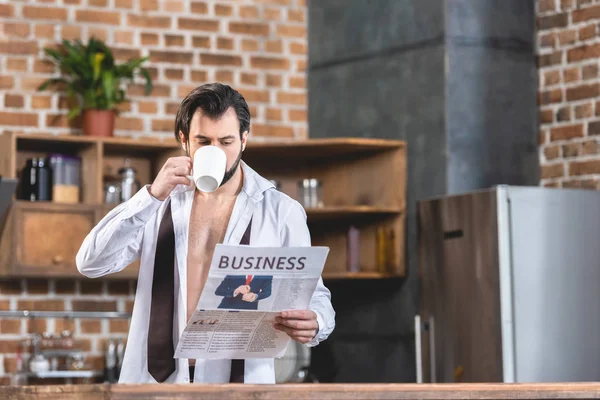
{"x":130,"y":231}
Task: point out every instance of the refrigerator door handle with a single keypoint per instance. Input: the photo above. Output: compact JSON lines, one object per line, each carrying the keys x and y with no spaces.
{"x":432,"y":350}
{"x":418,"y":352}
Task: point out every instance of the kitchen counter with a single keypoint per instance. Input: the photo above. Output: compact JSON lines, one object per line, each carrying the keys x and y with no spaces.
{"x":304,"y":391}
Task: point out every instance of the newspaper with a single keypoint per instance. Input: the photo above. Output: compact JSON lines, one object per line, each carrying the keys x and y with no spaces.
{"x":245,"y":290}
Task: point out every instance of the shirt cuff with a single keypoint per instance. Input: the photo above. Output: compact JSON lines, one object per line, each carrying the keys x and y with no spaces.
{"x":143,"y":205}
{"x":315,"y":341}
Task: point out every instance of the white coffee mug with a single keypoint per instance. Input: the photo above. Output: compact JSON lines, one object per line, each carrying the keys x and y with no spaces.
{"x":208,"y":169}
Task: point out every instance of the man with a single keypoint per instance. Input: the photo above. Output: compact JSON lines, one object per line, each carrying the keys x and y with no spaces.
{"x":171,"y":220}
{"x":243,"y":292}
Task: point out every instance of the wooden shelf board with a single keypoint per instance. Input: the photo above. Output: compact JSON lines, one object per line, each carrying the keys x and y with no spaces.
{"x":140,"y":143}
{"x":358,"y":275}
{"x":344,"y":212}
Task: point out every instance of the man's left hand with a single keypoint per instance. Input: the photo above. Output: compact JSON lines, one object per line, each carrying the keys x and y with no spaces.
{"x":300,"y":325}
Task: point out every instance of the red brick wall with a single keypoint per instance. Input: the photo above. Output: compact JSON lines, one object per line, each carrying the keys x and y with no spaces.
{"x":569,"y":92}
{"x":257,"y":46}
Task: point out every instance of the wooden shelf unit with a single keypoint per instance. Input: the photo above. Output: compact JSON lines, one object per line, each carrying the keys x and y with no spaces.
{"x":363,"y":185}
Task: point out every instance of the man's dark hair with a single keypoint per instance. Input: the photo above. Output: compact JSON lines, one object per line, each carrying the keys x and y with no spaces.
{"x":214,"y":99}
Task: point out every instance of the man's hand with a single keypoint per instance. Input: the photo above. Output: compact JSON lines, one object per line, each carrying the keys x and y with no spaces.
{"x":243,"y":289}
{"x":249,"y":297}
{"x":172,"y":173}
{"x":300,"y":325}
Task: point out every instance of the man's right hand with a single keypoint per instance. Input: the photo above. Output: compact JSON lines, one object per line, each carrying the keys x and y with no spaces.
{"x":242,"y":289}
{"x":172,"y":173}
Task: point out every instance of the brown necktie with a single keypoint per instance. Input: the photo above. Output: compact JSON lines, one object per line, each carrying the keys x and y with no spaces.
{"x":238,"y":366}
{"x":161,"y":363}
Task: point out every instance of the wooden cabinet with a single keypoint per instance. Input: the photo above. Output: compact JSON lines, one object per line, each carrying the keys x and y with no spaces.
{"x":363,"y":184}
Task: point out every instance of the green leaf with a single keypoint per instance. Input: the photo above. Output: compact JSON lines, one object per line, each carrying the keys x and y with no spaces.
{"x":74,"y":112}
{"x":51,"y":81}
{"x":148,"y":86}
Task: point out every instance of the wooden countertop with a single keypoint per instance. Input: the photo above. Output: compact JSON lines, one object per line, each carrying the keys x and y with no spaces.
{"x":304,"y":391}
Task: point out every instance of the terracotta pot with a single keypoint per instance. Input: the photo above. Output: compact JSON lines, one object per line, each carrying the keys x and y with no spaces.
{"x":98,"y":122}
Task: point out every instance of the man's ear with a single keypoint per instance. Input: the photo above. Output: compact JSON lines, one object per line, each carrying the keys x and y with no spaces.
{"x":244,"y":140}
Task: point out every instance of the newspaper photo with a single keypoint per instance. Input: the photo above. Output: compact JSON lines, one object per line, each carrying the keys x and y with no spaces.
{"x":246,"y":288}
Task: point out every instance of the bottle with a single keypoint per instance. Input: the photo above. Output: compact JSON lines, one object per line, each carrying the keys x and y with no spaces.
{"x":36,"y":180}
{"x":381,"y":251}
{"x":120,"y":355}
{"x":129,"y":183}
{"x":111,"y":361}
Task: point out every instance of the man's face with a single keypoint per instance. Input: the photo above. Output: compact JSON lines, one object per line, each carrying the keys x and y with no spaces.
{"x":223,"y":133}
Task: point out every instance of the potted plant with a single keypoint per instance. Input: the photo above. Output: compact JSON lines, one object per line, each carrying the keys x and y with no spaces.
{"x":94,"y":83}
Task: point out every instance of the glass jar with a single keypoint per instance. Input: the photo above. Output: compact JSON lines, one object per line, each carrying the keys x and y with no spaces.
{"x":36,"y":180}
{"x":129,"y":183}
{"x":309,"y":193}
{"x":66,"y":178}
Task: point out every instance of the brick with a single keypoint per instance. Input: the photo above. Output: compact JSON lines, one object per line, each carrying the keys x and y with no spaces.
{"x":10,"y":326}
{"x":64,"y":286}
{"x":585,"y":14}
{"x":11,"y":286}
{"x":47,"y":13}
{"x":272,"y":130}
{"x":590,"y":147}
{"x":90,"y":326}
{"x":158,"y":90}
{"x":64,"y":324}
{"x":300,"y":65}
{"x":199,"y":8}
{"x":272,"y":14}
{"x":124,"y":107}
{"x":553,"y":21}
{"x":297,"y":31}
{"x":101,"y":17}
{"x":566,"y":132}
{"x":223,"y":10}
{"x":594,"y":128}
{"x":583,"y":92}
{"x":201,"y":41}
{"x":163,"y":125}
{"x":94,"y":305}
{"x":184,"y":90}
{"x":545,"y":60}
{"x":273,"y":80}
{"x":584,"y":110}
{"x":249,"y":28}
{"x":547,"y":40}
{"x":296,"y":15}
{"x":16,"y":29}
{"x":584,"y":167}
{"x":259,"y":62}
{"x":298,"y":48}
{"x":41,"y":102}
{"x":124,"y":4}
{"x":16,"y":64}
{"x":248,"y":12}
{"x":14,"y":101}
{"x":274,"y":114}
{"x":144,"y":21}
{"x":18,"y":47}
{"x":591,"y":51}
{"x":198,"y":24}
{"x":570,"y":150}
{"x":36,"y":325}
{"x":41,"y":305}
{"x":587,"y":32}
{"x":129,"y":124}
{"x":7,"y":10}
{"x":9,"y":346}
{"x":291,"y":98}
{"x":553,"y":171}
{"x":199,"y":76}
{"x":98,"y":3}
{"x":256,"y":96}
{"x":175,"y":57}
{"x":567,"y":37}
{"x":37,"y":286}
{"x":129,"y":306}
{"x":247,"y":78}
{"x":120,"y":287}
{"x":250,"y":45}
{"x":98,"y":33}
{"x":297,"y":115}
{"x":118,"y":326}
{"x":171,"y":108}
{"x":4,"y":305}
{"x":6,"y":82}
{"x":253,"y":112}
{"x":552,"y":152}
{"x":123,"y":37}
{"x":71,"y":32}
{"x":148,"y":39}
{"x":61,"y":121}
{"x":297,"y":82}
{"x":224,"y":76}
{"x":91,"y":286}
{"x":546,"y":116}
{"x":571,"y":74}
{"x":149,"y":5}
{"x":32,"y":83}
{"x":563,"y":114}
{"x":174,"y":40}
{"x":43,"y":31}
{"x":274,"y":46}
{"x":72,"y":2}
{"x":589,"y":71}
{"x":225,"y":43}
{"x":18,"y":118}
{"x":220,"y":59}
{"x":175,"y":6}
